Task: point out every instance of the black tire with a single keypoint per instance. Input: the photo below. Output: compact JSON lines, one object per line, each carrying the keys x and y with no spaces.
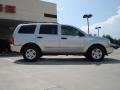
{"x":34,"y":53}
{"x":96,"y":53}
{"x":87,"y":56}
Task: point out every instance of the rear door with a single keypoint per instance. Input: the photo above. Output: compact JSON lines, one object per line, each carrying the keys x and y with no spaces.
{"x":48,"y":38}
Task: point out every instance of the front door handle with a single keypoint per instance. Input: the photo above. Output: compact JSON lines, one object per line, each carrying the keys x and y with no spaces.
{"x":39,"y":37}
{"x":63,"y":38}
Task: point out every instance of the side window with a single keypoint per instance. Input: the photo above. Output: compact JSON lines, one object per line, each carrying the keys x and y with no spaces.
{"x":48,"y":29}
{"x":71,"y":31}
{"x":68,"y":30}
{"x":27,"y":29}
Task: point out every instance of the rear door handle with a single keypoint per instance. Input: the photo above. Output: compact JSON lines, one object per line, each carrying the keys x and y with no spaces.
{"x":39,"y":37}
{"x":63,"y":38}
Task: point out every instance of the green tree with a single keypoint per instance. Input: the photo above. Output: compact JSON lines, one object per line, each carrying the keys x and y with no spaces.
{"x":112,"y":40}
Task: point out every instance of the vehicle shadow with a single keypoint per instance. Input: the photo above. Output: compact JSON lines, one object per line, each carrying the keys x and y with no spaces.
{"x":13,"y":54}
{"x":67,"y":61}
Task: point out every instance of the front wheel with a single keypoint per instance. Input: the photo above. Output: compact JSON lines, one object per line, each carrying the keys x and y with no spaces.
{"x":30,"y":53}
{"x":96,"y":53}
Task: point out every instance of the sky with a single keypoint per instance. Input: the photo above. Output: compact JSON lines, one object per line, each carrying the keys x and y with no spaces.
{"x":106,"y":13}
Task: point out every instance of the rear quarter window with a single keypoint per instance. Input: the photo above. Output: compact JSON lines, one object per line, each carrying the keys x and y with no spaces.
{"x":27,"y":29}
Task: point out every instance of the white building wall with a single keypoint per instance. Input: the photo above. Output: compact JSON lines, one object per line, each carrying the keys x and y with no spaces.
{"x":29,"y":10}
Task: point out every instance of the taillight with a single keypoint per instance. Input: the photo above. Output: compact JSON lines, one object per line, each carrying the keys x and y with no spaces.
{"x":12,"y":40}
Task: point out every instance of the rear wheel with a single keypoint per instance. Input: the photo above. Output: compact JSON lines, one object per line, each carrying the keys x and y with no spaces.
{"x":96,"y":53}
{"x":30,"y":53}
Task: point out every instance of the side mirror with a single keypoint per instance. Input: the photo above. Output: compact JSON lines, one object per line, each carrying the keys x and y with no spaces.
{"x":89,"y":34}
{"x":81,"y":34}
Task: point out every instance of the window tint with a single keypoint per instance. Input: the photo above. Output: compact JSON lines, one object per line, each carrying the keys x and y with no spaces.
{"x":27,"y":29}
{"x":68,"y":30}
{"x":48,"y":29}
{"x":81,"y":34}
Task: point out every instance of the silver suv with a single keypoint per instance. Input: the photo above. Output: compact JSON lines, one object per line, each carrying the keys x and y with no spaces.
{"x":37,"y":39}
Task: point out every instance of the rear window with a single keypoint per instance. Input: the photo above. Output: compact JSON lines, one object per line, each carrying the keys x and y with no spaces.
{"x":48,"y":29}
{"x":27,"y":29}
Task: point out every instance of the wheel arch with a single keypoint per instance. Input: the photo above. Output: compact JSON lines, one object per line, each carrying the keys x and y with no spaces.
{"x":30,"y":44}
{"x":97,"y":45}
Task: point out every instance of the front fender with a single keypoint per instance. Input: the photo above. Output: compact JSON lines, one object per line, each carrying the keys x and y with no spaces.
{"x":90,"y":43}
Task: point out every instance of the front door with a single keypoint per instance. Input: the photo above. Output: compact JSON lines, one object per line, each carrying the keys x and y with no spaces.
{"x":72,"y":40}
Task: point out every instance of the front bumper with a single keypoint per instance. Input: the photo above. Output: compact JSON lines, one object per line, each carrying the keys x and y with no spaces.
{"x":109,"y":50}
{"x":115,"y":46}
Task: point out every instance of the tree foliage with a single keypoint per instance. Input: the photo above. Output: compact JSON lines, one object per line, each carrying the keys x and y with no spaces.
{"x":113,"y":40}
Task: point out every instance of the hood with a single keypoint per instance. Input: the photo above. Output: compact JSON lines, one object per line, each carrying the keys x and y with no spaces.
{"x":97,"y":38}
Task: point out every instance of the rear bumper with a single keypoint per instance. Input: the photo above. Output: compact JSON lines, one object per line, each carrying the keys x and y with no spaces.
{"x":15,"y":48}
{"x":109,"y":50}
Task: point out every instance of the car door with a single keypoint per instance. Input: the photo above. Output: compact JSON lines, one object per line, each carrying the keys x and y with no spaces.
{"x":72,"y":40}
{"x":48,"y":38}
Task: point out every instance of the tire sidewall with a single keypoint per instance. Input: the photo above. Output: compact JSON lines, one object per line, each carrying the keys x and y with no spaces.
{"x":90,"y":53}
{"x":24,"y":53}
